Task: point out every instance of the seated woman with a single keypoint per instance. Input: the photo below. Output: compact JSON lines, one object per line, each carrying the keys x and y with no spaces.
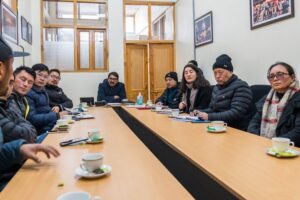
{"x":278,"y":114}
{"x":195,"y":89}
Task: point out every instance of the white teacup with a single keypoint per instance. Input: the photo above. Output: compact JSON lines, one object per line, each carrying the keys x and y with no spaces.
{"x":158,"y":107}
{"x":175,"y":112}
{"x":62,"y":122}
{"x":91,"y":161}
{"x":67,"y":117}
{"x":149,"y":103}
{"x":218,"y":125}
{"x":75,"y":196}
{"x":94,"y":134}
{"x":281,"y":144}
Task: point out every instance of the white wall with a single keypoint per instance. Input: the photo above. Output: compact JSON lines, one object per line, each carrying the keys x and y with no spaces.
{"x":252,"y":52}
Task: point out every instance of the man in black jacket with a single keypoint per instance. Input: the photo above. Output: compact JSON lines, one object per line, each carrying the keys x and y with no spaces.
{"x":57,"y":98}
{"x":231,"y":97}
{"x":171,"y":95}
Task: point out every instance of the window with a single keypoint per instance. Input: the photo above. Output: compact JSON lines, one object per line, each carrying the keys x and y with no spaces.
{"x":12,"y":4}
{"x":64,"y":37}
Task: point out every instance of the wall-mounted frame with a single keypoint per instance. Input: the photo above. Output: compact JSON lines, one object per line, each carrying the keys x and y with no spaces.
{"x":29,"y":33}
{"x":9,"y":24}
{"x":204,"y":29}
{"x":264,"y":12}
{"x":23,"y":28}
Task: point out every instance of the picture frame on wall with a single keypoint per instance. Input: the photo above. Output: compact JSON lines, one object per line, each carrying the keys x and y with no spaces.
{"x":265,"y":12}
{"x":203,"y":30}
{"x":23,"y":28}
{"x":9,"y":24}
{"x":29,"y":33}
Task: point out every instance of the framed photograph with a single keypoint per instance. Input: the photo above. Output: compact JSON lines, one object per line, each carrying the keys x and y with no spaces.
{"x":23,"y":28}
{"x":264,"y":12}
{"x":29,"y":33}
{"x":204,"y":29}
{"x":9,"y":24}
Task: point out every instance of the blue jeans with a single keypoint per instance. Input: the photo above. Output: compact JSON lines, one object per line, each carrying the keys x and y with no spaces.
{"x":41,"y":137}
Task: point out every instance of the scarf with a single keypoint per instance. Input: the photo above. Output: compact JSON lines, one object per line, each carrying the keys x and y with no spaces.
{"x":272,"y":110}
{"x":191,"y":99}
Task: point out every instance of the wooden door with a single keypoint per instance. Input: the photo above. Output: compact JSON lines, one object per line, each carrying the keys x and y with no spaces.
{"x":136,"y":71}
{"x":161,"y":62}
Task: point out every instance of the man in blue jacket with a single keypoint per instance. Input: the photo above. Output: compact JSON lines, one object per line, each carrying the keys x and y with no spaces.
{"x":15,"y":152}
{"x":111,"y":90}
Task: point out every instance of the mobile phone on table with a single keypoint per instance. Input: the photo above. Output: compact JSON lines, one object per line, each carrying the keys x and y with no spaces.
{"x":200,"y":121}
{"x":72,"y":141}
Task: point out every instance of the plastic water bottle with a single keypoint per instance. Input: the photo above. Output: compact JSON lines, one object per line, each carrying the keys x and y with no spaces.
{"x":139,"y":99}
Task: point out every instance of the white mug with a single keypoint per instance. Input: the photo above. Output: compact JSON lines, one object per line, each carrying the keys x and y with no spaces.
{"x":94,"y":134}
{"x":75,"y":196}
{"x":218,"y":125}
{"x":91,"y":162}
{"x":175,"y":112}
{"x":62,"y":122}
{"x":281,"y":144}
{"x":158,"y":107}
{"x":67,"y":117}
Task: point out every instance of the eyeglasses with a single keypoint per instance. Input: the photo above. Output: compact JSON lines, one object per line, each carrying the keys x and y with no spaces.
{"x":55,"y":77}
{"x":42,"y":75}
{"x":113,"y":79}
{"x":278,"y":75}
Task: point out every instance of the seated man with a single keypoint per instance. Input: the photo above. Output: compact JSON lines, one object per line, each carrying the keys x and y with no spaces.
{"x":24,"y":79}
{"x":14,"y":126}
{"x":231,"y":97}
{"x":15,"y":152}
{"x":111,"y":90}
{"x":57,"y":98}
{"x":171,"y":96}
{"x":40,"y":113}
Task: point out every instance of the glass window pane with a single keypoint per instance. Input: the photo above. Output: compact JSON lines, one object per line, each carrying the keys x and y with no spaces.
{"x":139,"y":17}
{"x":59,"y":48}
{"x":92,"y":14}
{"x":84,"y":50}
{"x":162,"y":22}
{"x":58,"y":13}
{"x":99,"y":50}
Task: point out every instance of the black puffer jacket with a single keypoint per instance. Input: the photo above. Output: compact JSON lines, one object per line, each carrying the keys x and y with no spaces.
{"x":231,"y":103}
{"x":170,"y":97}
{"x":58,"y":98}
{"x":289,"y":123}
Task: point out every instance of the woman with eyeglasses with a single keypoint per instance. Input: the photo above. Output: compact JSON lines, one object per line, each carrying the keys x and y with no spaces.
{"x":278,"y":113}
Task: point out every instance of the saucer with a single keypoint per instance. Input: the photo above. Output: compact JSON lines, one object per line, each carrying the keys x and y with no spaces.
{"x":89,"y":141}
{"x":82,"y":173}
{"x":213,"y":130}
{"x":287,"y":154}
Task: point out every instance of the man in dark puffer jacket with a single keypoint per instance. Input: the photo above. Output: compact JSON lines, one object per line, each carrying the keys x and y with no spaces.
{"x":231,"y":97}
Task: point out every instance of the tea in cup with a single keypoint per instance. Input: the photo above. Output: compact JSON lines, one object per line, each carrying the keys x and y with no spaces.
{"x":91,"y":162}
{"x":218,"y":125}
{"x":281,"y":144}
{"x":94,"y":134}
{"x":175,"y":112}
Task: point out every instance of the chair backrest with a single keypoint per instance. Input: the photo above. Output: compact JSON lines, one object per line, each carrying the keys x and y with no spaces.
{"x":89,"y":100}
{"x":259,"y":91}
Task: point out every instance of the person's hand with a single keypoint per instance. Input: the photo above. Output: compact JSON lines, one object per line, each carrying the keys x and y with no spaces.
{"x":181,"y":105}
{"x":61,"y":114}
{"x":159,"y":103}
{"x":55,"y":109}
{"x":195,"y":113}
{"x":203,"y":115}
{"x":116,"y":97}
{"x":29,"y":151}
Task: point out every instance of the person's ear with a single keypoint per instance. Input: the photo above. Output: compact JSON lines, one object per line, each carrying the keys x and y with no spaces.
{"x":2,"y":70}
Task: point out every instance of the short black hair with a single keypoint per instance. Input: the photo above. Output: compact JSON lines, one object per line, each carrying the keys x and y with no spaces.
{"x":54,"y":70}
{"x":115,"y":74}
{"x":26,"y":69}
{"x":40,"y":67}
{"x":288,"y":67}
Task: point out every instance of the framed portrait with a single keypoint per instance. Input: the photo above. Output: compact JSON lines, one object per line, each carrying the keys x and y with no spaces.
{"x":29,"y":33}
{"x":23,"y":28}
{"x":9,"y":24}
{"x":204,"y":29}
{"x":264,"y":12}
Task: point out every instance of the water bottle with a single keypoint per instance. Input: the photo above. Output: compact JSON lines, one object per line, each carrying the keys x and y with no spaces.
{"x":139,"y":99}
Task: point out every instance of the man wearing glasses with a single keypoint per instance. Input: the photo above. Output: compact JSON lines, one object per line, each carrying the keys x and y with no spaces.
{"x":57,"y":98}
{"x":40,"y":113}
{"x":111,"y":90}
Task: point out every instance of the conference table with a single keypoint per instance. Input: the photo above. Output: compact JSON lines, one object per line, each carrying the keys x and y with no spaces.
{"x":230,"y":165}
{"x":136,"y":172}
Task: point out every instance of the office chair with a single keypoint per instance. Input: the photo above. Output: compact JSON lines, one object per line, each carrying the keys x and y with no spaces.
{"x":89,"y":100}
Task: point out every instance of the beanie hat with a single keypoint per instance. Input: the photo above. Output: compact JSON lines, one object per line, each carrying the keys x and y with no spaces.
{"x":172,"y":75}
{"x":224,"y":62}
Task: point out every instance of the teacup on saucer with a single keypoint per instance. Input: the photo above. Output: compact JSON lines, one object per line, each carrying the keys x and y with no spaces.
{"x":78,"y":195}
